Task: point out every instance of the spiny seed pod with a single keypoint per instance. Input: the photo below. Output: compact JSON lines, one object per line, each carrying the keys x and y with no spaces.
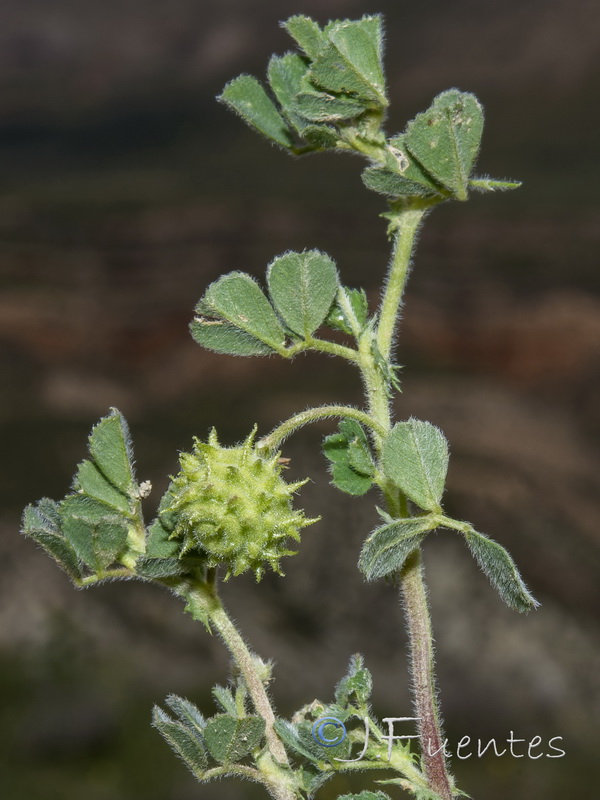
{"x":231,"y":506}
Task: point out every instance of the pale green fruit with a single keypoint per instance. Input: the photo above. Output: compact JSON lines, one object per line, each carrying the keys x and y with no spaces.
{"x":231,"y":506}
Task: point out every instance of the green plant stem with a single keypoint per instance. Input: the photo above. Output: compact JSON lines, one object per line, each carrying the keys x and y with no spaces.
{"x":321,"y":346}
{"x":108,"y":574}
{"x":416,"y":609}
{"x":408,"y":221}
{"x":281,"y":432}
{"x":274,"y":771}
{"x":413,"y":592}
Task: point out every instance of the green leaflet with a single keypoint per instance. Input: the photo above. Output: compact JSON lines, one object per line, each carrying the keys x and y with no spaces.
{"x":100,"y":523}
{"x":227,"y":339}
{"x":97,"y":535}
{"x":322,"y":107}
{"x":110,"y":448}
{"x":352,"y":62}
{"x":229,"y":739}
{"x":399,"y":160}
{"x":307,"y":34}
{"x":445,"y":139}
{"x":352,"y":468}
{"x":356,"y":686}
{"x":299,"y":737}
{"x":92,"y":482}
{"x":298,"y":741}
{"x":151,"y":568}
{"x":302,"y":287}
{"x":42,"y":523}
{"x":354,"y":319}
{"x":286,"y":75}
{"x":385,"y":551}
{"x":359,"y":454}
{"x":415,"y":458}
{"x":312,"y":779}
{"x":225,"y":699}
{"x":186,"y":743}
{"x":189,"y":714}
{"x":236,"y":317}
{"x":321,"y":137}
{"x":162,"y":558}
{"x":343,"y":477}
{"x":158,"y":544}
{"x":391,"y":184}
{"x":248,"y":98}
{"x":197,"y":610}
{"x":501,"y":570}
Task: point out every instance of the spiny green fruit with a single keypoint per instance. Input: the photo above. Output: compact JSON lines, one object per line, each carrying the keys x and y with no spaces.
{"x":231,"y":506}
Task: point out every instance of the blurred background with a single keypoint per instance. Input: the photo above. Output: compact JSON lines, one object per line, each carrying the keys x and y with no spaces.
{"x":124,"y":190}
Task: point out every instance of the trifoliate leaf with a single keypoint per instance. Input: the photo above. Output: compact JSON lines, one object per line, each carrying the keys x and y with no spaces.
{"x":445,"y":139}
{"x":102,"y":521}
{"x":247,"y":97}
{"x":186,"y":743}
{"x":415,"y":458}
{"x":385,"y":551}
{"x":110,"y":448}
{"x":302,"y":287}
{"x":229,"y":739}
{"x":237,"y":300}
{"x":501,"y":570}
{"x":307,"y":34}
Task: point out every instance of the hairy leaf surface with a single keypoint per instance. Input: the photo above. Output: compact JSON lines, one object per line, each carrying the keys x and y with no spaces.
{"x":415,"y":458}
{"x":302,"y":287}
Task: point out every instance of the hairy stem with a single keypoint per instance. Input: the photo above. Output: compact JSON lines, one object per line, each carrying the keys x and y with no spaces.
{"x":414,"y":595}
{"x":418,"y":621}
{"x":320,"y":346}
{"x":281,"y":432}
{"x":249,"y":665}
{"x":408,"y":222}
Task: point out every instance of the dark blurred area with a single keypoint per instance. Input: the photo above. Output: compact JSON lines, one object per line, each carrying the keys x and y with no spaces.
{"x":124,"y":190}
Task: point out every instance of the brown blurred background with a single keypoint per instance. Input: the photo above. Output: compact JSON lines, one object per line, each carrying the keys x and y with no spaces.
{"x":124,"y":190}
